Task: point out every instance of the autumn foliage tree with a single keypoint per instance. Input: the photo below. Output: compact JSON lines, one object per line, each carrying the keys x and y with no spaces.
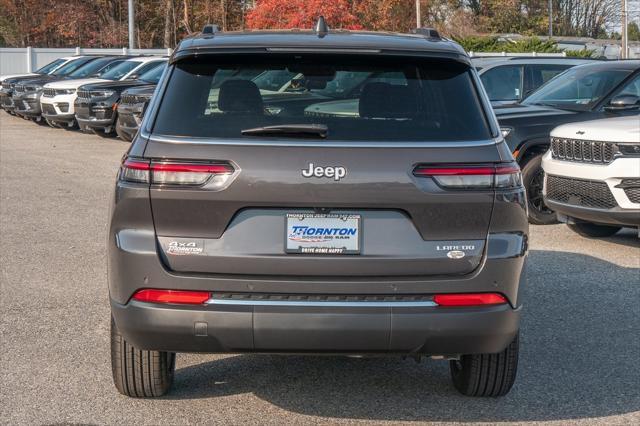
{"x":162,"y":23}
{"x":271,"y":14}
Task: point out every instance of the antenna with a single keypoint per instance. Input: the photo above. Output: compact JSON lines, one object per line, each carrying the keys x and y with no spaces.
{"x":321,"y":28}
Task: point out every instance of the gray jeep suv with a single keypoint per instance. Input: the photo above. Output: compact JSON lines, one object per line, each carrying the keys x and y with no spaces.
{"x":367,"y":206}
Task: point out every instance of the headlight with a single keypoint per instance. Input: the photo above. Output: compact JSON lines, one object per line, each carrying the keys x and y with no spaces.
{"x":33,"y":88}
{"x":65,"y":91}
{"x":629,"y":149}
{"x":505,"y":131}
{"x":102,"y":93}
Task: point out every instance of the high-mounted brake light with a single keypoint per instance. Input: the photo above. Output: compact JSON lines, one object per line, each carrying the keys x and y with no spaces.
{"x":469,"y":299}
{"x":179,"y":297}
{"x":214,"y":175}
{"x":472,"y":177}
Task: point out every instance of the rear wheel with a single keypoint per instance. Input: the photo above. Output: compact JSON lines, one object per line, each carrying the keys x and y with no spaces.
{"x":486,"y":374}
{"x":139,"y":373}
{"x":593,"y":230}
{"x":533,"y":179}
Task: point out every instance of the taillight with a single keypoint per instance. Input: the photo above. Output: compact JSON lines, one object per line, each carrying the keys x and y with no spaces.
{"x":134,"y":171}
{"x":178,"y":297}
{"x":469,"y":299}
{"x":190,"y":174}
{"x":472,"y":177}
{"x":214,"y":175}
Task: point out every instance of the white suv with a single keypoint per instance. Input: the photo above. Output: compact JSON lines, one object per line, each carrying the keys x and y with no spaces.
{"x":58,"y":97}
{"x":592,"y":175}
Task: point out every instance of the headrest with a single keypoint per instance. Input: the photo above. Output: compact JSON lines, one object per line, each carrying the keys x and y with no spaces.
{"x":384,"y":100}
{"x":240,"y":96}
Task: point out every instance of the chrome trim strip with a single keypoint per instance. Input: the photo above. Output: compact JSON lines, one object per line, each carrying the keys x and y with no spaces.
{"x":317,"y":144}
{"x":333,"y":304}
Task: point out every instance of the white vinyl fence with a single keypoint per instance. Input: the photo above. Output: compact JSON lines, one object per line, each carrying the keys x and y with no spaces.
{"x":16,"y":60}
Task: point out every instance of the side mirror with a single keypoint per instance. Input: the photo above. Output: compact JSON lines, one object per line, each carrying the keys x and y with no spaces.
{"x":145,"y":106}
{"x":623,"y":103}
{"x":133,"y":76}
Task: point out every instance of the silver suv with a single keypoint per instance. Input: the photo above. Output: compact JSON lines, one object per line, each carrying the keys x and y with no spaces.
{"x":369,"y":207}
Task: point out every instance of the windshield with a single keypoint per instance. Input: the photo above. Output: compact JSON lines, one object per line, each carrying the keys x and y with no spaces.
{"x":50,"y":66}
{"x":92,"y":68}
{"x":70,"y":66}
{"x":154,"y":75}
{"x":119,"y":71}
{"x":356,"y":98}
{"x":577,"y":89}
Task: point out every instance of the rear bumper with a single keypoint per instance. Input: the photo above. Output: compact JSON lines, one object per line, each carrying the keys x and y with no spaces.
{"x":313,"y":329}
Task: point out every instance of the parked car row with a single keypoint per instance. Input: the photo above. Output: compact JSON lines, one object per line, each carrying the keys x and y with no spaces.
{"x":83,"y":92}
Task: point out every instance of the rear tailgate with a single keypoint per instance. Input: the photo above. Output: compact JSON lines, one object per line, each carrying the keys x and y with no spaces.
{"x":382,"y":115}
{"x":408,"y":224}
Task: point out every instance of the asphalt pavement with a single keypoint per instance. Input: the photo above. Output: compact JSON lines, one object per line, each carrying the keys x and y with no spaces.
{"x":580,"y":341}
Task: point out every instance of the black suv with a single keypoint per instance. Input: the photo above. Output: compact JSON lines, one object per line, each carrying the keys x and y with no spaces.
{"x":585,"y":92}
{"x":97,"y":103}
{"x":392,"y":223}
{"x":27,"y":93}
{"x":131,"y":110}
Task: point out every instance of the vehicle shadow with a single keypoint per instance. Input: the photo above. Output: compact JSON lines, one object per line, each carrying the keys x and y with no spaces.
{"x":627,"y":237}
{"x":579,"y":359}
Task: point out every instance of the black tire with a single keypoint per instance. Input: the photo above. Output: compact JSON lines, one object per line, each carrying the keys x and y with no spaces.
{"x":139,"y":373}
{"x":594,"y":230}
{"x":533,"y":179}
{"x":486,"y":374}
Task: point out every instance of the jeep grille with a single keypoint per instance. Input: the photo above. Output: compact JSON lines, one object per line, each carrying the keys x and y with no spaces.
{"x":582,"y":151}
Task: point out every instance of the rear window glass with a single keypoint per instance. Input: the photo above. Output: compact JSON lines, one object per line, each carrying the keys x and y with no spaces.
{"x":355,"y":98}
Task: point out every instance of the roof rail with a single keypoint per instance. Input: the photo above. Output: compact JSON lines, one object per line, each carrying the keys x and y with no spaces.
{"x":427,"y":32}
{"x":210,"y":29}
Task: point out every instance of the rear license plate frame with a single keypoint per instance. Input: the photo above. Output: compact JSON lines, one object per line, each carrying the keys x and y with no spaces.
{"x":318,"y":245}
